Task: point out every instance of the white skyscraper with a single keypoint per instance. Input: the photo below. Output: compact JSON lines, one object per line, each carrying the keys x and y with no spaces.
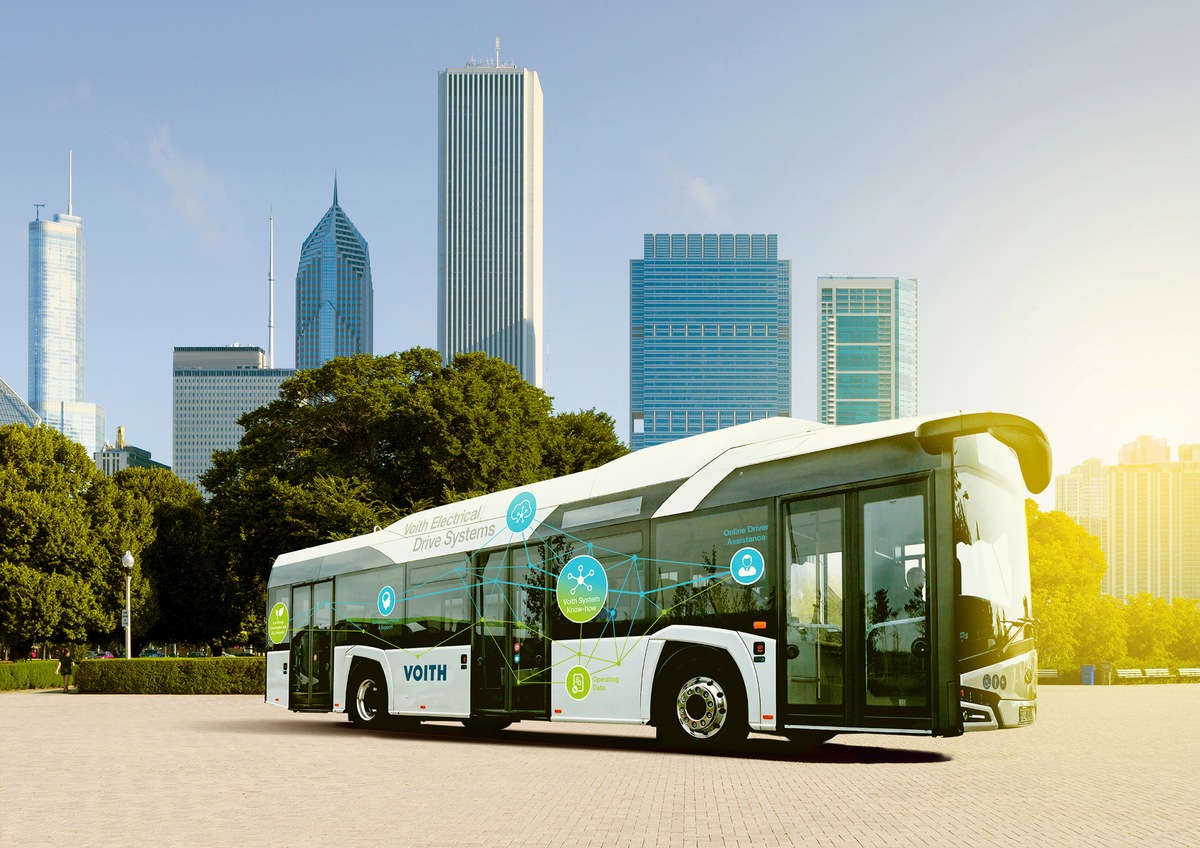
{"x":56,"y":309}
{"x":490,"y":214}
{"x":212,"y":388}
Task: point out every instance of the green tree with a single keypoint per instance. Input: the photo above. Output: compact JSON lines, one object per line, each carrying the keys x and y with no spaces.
{"x":1151,"y":629}
{"x":1066,"y":566}
{"x":1064,"y":559}
{"x":59,"y":520}
{"x":1185,"y":649}
{"x":1102,"y":629}
{"x":577,"y":441}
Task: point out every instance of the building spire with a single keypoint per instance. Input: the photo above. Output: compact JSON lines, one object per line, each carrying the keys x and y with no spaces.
{"x":271,"y":292}
{"x":335,"y":203}
{"x":70,"y":178}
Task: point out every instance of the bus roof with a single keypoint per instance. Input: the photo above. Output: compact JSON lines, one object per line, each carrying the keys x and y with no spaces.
{"x":695,"y":465}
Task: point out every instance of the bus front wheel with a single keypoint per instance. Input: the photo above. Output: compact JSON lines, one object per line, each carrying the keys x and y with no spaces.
{"x":366,"y":695}
{"x":701,"y":707}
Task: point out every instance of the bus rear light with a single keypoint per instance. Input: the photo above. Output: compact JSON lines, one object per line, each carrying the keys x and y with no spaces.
{"x":760,"y":648}
{"x":558,"y":712}
{"x":768,"y":717}
{"x":760,"y":625}
{"x":422,"y":706}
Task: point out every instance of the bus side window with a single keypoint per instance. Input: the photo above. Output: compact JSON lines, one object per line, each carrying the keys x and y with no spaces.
{"x":694,"y":581}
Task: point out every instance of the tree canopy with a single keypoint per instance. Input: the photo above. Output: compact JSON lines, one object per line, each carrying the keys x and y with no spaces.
{"x":61,"y":540}
{"x":364,"y":440}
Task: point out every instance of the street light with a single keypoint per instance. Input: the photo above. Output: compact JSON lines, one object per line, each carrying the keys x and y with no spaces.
{"x":127,"y":564}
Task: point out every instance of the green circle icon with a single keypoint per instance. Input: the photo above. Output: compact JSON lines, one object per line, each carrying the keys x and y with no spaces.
{"x":277,"y":623}
{"x":579,"y":683}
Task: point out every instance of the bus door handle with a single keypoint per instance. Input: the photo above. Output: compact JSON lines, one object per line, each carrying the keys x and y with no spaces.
{"x":285,"y":667}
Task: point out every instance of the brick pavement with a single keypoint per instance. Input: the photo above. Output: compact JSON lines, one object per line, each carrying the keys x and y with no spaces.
{"x":1103,"y":766}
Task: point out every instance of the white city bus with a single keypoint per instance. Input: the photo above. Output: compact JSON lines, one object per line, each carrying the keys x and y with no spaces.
{"x":779,"y":576}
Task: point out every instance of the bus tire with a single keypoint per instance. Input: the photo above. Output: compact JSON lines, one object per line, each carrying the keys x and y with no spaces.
{"x":367,"y":695}
{"x":701,"y":706}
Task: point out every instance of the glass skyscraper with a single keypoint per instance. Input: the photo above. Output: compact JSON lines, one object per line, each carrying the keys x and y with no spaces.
{"x":334,"y":297}
{"x":490,"y":214}
{"x":213,"y":387}
{"x":56,"y":304}
{"x":710,"y":335}
{"x":867,"y":349}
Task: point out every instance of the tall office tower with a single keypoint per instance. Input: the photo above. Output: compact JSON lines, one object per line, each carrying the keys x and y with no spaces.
{"x":867,"y":349}
{"x":710,"y":335}
{"x":1083,"y":495}
{"x":14,"y":410}
{"x":334,"y":298}
{"x":56,"y":303}
{"x":212,"y":388}
{"x":490,"y":214}
{"x":1148,"y":518}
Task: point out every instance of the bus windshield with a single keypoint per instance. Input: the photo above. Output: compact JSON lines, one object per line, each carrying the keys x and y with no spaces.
{"x":991,"y":553}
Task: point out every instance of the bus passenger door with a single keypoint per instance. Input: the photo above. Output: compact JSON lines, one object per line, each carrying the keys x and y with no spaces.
{"x":509,"y":641}
{"x":814,"y":654}
{"x":312,"y":647}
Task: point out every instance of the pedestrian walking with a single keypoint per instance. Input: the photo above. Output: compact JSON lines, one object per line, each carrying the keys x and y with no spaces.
{"x":65,"y":663}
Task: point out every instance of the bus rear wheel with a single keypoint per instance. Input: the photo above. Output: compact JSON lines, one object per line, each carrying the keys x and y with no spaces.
{"x":701,"y":707}
{"x":366,"y":696}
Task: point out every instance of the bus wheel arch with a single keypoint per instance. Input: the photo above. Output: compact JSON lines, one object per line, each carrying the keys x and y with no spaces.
{"x":367,"y":694}
{"x":699,"y":700}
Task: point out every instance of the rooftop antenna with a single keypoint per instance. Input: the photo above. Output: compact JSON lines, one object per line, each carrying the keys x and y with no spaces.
{"x":271,"y":298}
{"x":37,"y":210}
{"x":70,"y":177}
{"x":497,"y":51}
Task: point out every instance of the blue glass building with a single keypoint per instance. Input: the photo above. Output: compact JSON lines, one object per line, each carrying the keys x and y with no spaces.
{"x":710,"y":335}
{"x":56,"y":313}
{"x":334,"y":297}
{"x":867,"y":349}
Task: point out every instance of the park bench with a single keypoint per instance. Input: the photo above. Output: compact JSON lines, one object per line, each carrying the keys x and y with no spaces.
{"x":1158,"y":673}
{"x":1189,"y":672}
{"x":1130,"y":673}
{"x":1044,"y":673}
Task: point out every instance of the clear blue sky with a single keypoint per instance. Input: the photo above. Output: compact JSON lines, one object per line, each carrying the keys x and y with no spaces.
{"x":1035,"y":165}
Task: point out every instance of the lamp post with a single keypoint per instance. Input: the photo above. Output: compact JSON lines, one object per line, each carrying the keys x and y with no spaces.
{"x":127,"y":564}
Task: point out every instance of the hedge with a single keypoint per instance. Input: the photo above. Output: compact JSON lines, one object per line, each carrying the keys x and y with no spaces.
{"x":170,"y":676}
{"x":30,"y":674}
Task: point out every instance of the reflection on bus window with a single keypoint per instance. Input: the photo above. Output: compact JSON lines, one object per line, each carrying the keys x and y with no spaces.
{"x":897,"y":656}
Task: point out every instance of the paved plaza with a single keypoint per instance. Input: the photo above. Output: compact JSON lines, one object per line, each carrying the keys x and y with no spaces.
{"x":1102,"y":766}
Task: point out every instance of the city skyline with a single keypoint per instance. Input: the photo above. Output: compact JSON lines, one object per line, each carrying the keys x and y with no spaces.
{"x":1033,"y":166}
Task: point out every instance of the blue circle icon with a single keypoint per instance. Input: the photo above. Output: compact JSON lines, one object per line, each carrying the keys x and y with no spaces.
{"x":521,"y":512}
{"x":747,"y":566}
{"x":386,"y":600}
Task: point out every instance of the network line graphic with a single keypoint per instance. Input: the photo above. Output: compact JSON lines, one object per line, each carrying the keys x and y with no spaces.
{"x":544,"y":587}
